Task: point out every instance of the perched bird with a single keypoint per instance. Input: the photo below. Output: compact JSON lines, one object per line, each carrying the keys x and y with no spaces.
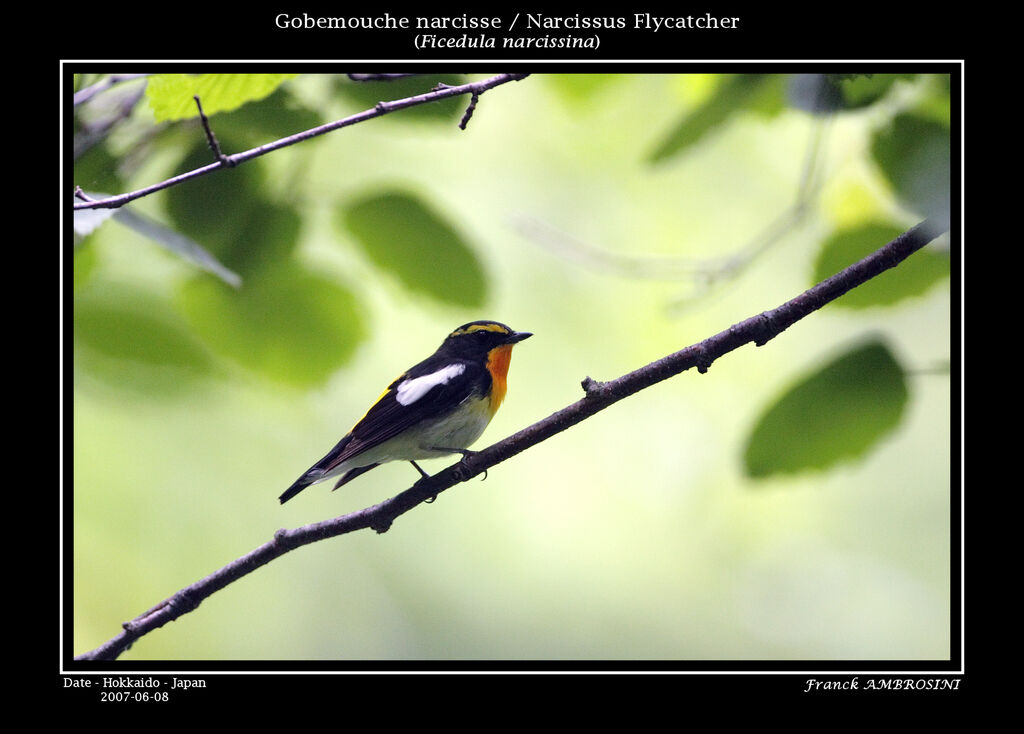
{"x":437,"y":408}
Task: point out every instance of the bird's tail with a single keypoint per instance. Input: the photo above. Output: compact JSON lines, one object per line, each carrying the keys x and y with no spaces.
{"x":353,"y":473}
{"x":300,"y":484}
{"x":318,"y":472}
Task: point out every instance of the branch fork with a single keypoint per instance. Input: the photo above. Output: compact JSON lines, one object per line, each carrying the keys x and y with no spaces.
{"x":211,"y":139}
{"x":475,"y":89}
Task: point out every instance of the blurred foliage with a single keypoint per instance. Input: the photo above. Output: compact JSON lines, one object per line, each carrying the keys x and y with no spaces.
{"x":581,"y":89}
{"x":289,"y":325}
{"x":913,"y":153}
{"x":171,"y":239}
{"x":86,"y":221}
{"x":134,"y":340}
{"x":912,"y":149}
{"x":231,"y":213}
{"x":405,"y":238}
{"x":84,"y":263}
{"x":97,"y":170}
{"x":836,"y":413}
{"x":912,"y":278}
{"x":366,"y":94}
{"x":272,"y":117}
{"x":828,"y":93}
{"x":328,"y":244}
{"x":736,"y":93}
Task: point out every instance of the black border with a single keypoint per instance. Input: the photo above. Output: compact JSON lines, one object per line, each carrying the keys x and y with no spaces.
{"x":798,"y":38}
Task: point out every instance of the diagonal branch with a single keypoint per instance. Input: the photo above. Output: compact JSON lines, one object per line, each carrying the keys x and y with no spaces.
{"x":475,"y":89}
{"x":598,"y":395}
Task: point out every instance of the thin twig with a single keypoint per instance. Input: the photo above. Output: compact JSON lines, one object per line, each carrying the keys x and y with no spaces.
{"x":211,"y":139}
{"x":380,"y":109}
{"x":704,"y":272}
{"x":598,"y":396}
{"x":379,"y":77}
{"x":469,"y":111}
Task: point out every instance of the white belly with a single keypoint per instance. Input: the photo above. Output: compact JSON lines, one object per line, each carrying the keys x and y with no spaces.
{"x":458,"y":431}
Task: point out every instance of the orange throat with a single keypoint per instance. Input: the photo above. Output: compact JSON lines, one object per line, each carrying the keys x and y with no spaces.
{"x":497,"y":364}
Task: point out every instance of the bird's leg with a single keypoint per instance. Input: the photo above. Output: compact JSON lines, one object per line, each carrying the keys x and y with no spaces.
{"x":423,"y":477}
{"x":422,"y":473}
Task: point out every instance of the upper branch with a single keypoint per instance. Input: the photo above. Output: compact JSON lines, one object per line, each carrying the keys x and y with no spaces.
{"x":475,"y":89}
{"x":598,"y":395}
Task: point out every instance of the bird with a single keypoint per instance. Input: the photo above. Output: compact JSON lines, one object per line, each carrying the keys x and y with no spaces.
{"x":437,"y":408}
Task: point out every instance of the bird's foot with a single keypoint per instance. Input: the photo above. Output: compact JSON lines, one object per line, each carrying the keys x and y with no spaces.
{"x":466,"y":455}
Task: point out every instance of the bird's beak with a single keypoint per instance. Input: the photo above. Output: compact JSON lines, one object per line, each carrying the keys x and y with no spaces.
{"x":517,"y":336}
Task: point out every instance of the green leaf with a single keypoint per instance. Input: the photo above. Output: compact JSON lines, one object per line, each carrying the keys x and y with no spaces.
{"x":405,"y":238}
{"x":276,"y":116}
{"x":581,"y":89}
{"x":177,"y":243}
{"x":913,"y":154}
{"x":171,"y":95}
{"x":86,"y":221}
{"x":131,"y":339}
{"x":84,"y":262}
{"x":227,"y":213}
{"x":288,"y":325}
{"x":912,"y":278}
{"x":97,"y":170}
{"x":736,"y":93}
{"x":209,"y":207}
{"x":835,"y":414}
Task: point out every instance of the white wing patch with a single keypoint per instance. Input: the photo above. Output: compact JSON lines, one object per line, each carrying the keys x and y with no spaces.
{"x":412,"y":390}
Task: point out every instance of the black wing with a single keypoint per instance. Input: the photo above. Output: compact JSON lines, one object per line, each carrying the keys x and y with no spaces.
{"x":388,"y":417}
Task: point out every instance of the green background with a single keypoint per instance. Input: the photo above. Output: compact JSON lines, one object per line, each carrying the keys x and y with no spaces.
{"x":792,"y":503}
